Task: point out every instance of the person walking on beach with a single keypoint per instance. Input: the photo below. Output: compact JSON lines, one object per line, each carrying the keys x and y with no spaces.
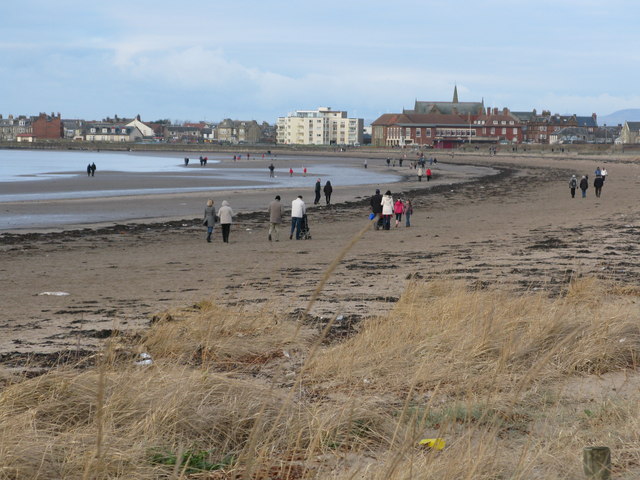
{"x":428,"y":172}
{"x":271,"y":170}
{"x":88,"y":170}
{"x":584,"y":184}
{"x":604,"y":175}
{"x":328,"y":190}
{"x":304,"y":172}
{"x":209,"y":219}
{"x":225,"y":214}
{"x":420,"y":173}
{"x":376,"y":208}
{"x":298,"y":209}
{"x":387,"y":209}
{"x":318,"y":192}
{"x":276,"y":213}
{"x":573,"y":184}
{"x":186,"y":161}
{"x":291,"y":172}
{"x":408,"y":211}
{"x":597,"y":184}
{"x":365,"y":163}
{"x":93,"y":169}
{"x":398,"y":208}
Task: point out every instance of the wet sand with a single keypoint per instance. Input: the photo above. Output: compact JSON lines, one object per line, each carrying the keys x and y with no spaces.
{"x":519,"y":228}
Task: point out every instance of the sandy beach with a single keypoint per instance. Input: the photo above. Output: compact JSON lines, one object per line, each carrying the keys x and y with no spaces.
{"x":513,"y":223}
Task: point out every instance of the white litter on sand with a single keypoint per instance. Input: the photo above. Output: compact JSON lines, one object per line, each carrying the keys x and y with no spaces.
{"x":57,"y":294}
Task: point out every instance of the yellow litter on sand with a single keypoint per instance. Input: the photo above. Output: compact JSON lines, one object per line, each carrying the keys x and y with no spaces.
{"x":437,"y":443}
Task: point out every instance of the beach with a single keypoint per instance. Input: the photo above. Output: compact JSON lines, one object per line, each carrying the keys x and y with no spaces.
{"x":505,"y":220}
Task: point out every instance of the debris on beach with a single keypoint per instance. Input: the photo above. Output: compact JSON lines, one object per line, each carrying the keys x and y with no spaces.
{"x":145,"y":359}
{"x":435,"y":443}
{"x":56,"y":294}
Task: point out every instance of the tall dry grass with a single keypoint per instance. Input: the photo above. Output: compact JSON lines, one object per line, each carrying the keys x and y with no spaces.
{"x":252,"y":395}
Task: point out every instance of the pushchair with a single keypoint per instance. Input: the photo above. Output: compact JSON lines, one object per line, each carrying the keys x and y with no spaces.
{"x":305,"y":233}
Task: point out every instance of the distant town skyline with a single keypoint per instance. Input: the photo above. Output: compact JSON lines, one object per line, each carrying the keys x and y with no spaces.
{"x":262,"y":60}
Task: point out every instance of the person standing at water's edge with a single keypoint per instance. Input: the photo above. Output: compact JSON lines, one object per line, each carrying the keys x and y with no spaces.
{"x":271,"y":169}
{"x":225,"y":214}
{"x":209,"y":219}
{"x":298,"y":209}
{"x":93,"y":169}
{"x":89,"y":170}
{"x":275,"y":218}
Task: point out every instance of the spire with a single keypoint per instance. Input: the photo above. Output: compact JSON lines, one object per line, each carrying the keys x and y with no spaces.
{"x":455,"y":94}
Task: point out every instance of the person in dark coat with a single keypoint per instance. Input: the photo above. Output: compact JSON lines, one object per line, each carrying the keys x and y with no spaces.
{"x":584,"y":184}
{"x":328,"y":190}
{"x":597,"y":184}
{"x":376,"y":208}
{"x":93,"y":169}
{"x":318,"y":191}
{"x":88,"y":170}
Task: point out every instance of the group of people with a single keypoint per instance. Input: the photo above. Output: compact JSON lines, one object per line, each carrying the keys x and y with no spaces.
{"x":299,"y":225}
{"x":383,"y":208}
{"x":224,"y":217}
{"x":91,"y":170}
{"x":598,"y":183}
{"x":328,"y":190}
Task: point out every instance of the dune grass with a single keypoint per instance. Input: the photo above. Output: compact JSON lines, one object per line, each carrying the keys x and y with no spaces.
{"x":232,"y":394}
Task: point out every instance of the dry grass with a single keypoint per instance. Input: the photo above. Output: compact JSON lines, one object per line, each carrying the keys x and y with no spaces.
{"x":233,"y":394}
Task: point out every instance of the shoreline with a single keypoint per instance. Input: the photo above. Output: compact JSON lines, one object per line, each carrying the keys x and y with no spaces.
{"x":56,"y":214}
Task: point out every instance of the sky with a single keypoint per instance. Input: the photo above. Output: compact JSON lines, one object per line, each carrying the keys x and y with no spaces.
{"x":259,"y":60}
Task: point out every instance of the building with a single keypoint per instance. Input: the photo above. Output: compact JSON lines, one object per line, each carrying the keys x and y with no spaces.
{"x":319,"y":127}
{"x":447,"y":125}
{"x":109,"y":132}
{"x":47,"y":127}
{"x":11,"y":127}
{"x":540,"y":128}
{"x":454,"y":107}
{"x":146,"y":130}
{"x":630,"y":133}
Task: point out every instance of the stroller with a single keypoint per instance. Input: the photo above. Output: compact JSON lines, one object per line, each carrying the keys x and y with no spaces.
{"x":305,"y":233}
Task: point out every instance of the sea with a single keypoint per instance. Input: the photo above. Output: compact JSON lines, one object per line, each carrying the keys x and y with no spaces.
{"x":30,"y":177}
{"x":43,"y":166}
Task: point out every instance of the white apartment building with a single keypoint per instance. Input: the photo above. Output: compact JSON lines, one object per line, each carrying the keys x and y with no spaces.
{"x":319,"y":127}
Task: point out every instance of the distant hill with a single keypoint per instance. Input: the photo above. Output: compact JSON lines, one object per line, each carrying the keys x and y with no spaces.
{"x":619,"y":117}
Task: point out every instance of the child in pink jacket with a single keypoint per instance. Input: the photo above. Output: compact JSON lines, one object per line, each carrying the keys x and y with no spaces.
{"x":398,"y":208}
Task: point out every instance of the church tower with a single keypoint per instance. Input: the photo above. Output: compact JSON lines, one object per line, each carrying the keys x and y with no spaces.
{"x":455,"y":94}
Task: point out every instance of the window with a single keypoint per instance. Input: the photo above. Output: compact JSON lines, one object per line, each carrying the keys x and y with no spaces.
{"x":428,"y":132}
{"x":504,"y":131}
{"x":515,"y":131}
{"x":493,"y":131}
{"x":418,"y":132}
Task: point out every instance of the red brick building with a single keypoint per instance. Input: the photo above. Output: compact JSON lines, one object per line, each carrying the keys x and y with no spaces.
{"x":47,"y":127}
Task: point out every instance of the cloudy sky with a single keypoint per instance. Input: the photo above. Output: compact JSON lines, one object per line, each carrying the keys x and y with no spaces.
{"x":246,"y":59}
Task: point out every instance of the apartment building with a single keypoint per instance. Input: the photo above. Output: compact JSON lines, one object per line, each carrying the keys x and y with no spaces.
{"x":319,"y":127}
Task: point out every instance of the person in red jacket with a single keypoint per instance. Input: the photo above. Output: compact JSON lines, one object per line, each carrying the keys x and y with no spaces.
{"x":428,"y":174}
{"x":398,"y":208}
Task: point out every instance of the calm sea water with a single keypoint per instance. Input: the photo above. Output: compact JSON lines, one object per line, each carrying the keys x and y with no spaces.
{"x":30,"y":165}
{"x":21,"y":165}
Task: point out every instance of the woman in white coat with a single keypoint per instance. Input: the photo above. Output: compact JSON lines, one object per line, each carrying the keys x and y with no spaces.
{"x":387,"y":210}
{"x":225,"y":214}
